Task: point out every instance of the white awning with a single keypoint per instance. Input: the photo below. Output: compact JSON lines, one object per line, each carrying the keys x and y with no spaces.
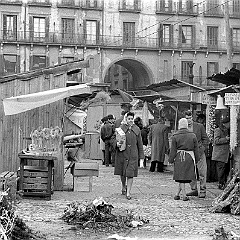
{"x":23,"y":103}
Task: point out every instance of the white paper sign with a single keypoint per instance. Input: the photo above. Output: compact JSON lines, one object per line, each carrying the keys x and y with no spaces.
{"x":232,"y":98}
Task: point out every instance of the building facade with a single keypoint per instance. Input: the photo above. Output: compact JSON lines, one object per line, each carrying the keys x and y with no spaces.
{"x":129,"y":43}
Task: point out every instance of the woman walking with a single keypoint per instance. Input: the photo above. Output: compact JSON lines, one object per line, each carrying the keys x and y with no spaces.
{"x":184,"y":154}
{"x":126,"y":160}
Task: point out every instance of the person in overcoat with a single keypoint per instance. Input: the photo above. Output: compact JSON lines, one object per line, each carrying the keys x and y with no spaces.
{"x":184,"y":154}
{"x":158,"y":139}
{"x":126,"y":161}
{"x":221,"y":152}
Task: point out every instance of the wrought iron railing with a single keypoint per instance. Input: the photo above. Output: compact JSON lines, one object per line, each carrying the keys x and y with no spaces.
{"x":135,"y":7}
{"x":112,"y":41}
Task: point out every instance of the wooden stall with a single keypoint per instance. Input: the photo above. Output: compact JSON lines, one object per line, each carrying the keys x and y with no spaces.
{"x":15,"y":130}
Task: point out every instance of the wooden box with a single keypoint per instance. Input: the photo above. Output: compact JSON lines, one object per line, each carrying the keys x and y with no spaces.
{"x":85,"y":169}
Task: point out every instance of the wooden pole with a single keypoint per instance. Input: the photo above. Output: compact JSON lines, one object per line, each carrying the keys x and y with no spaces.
{"x":228,"y":35}
{"x":176,"y":116}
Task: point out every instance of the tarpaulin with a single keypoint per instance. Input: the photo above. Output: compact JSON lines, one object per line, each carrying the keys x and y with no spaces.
{"x":23,"y":103}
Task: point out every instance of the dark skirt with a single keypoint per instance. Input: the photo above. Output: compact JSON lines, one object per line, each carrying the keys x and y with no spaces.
{"x":183,"y":181}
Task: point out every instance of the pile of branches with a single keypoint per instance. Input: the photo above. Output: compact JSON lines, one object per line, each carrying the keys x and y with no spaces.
{"x":222,"y":234}
{"x":98,"y":216}
{"x":229,"y":200}
{"x":11,"y":226}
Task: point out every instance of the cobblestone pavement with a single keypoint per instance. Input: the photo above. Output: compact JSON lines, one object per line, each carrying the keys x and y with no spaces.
{"x":152,"y":198}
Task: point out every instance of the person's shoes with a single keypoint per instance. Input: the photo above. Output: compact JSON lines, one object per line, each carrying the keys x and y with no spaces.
{"x":124,"y":191}
{"x":128,"y":197}
{"x":193,"y":193}
{"x":202,"y":195}
{"x":176,"y":197}
{"x":107,"y":165}
{"x":186,"y":199}
{"x":221,"y":186}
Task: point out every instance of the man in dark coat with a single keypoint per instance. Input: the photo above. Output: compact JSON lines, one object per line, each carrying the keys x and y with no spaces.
{"x":221,"y":151}
{"x":158,"y":138}
{"x":107,"y":131}
{"x":203,"y":143}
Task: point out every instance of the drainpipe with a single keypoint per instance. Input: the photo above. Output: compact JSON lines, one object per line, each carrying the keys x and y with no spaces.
{"x":101,"y":39}
{"x":25,"y":34}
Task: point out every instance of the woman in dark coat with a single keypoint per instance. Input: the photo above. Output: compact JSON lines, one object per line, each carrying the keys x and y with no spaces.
{"x":184,"y":154}
{"x":126,"y":161}
{"x":221,"y":152}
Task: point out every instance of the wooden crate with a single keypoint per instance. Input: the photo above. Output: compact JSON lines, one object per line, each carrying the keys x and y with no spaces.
{"x":36,"y":181}
{"x":85,"y":169}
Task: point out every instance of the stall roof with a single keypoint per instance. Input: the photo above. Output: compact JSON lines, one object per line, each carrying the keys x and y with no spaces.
{"x":230,"y":77}
{"x":171,"y":84}
{"x":228,"y":89}
{"x":177,"y":102}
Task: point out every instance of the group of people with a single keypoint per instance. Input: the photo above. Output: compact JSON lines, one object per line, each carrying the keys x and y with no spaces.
{"x":187,"y":151}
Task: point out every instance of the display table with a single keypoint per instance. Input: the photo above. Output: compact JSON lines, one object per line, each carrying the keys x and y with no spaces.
{"x":36,"y":175}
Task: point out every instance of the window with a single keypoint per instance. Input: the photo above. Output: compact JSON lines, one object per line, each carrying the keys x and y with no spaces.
{"x":236,"y":65}
{"x":91,"y":3}
{"x":68,"y":2}
{"x":125,"y":87}
{"x":236,"y":37}
{"x":10,"y":64}
{"x":133,"y":5}
{"x":67,"y":30}
{"x":212,"y":68}
{"x":129,"y":33}
{"x":166,"y":35}
{"x":200,"y":75}
{"x":213,"y":7}
{"x":186,"y":6}
{"x":186,"y":70}
{"x":212,"y":36}
{"x":39,"y":62}
{"x":186,"y":36}
{"x":91,"y":32}
{"x":236,"y":8}
{"x":39,"y":28}
{"x":10,"y":27}
{"x":165,"y":5}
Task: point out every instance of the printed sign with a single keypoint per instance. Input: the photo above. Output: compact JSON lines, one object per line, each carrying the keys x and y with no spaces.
{"x":207,"y":99}
{"x":232,"y":98}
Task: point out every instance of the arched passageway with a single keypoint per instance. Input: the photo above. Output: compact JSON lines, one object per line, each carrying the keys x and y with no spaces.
{"x":128,"y":74}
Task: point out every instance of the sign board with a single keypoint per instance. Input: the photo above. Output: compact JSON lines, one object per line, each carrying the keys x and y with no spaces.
{"x":232,"y":98}
{"x":209,"y":100}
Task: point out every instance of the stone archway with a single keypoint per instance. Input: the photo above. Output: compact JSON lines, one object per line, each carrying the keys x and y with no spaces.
{"x":128,"y":74}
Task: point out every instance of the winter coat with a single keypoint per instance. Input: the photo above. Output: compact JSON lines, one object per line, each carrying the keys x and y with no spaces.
{"x":202,"y":138}
{"x":107,"y":130}
{"x":158,"y":139}
{"x":184,"y":169}
{"x":126,"y":161}
{"x":220,"y":145}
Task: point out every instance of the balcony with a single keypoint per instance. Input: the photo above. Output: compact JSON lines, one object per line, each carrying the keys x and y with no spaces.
{"x":43,"y":3}
{"x":108,"y":41}
{"x":68,"y":4}
{"x":92,"y":5}
{"x":213,"y":10}
{"x":10,"y":2}
{"x":133,"y":8}
{"x":188,"y":9}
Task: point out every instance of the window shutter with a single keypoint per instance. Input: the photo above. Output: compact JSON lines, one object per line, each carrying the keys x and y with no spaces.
{"x":4,"y":25}
{"x":162,"y":4}
{"x":15,"y":26}
{"x":160,"y":35}
{"x":231,"y":34}
{"x":30,"y":62}
{"x":193,"y":36}
{"x":170,"y":6}
{"x":124,"y":4}
{"x":98,"y":32}
{"x":136,"y":2}
{"x":180,"y":36}
{"x":47,"y":28}
{"x":180,"y":6}
{"x":171,"y":36}
{"x":84,"y":29}
{"x":95,"y":3}
{"x":31,"y":29}
{"x":1,"y":65}
{"x":47,"y":61}
{"x":18,"y":64}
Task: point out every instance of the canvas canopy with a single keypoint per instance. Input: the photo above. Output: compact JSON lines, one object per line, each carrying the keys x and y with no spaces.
{"x":23,"y":103}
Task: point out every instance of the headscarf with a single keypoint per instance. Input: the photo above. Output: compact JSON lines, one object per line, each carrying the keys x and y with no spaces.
{"x":183,"y":123}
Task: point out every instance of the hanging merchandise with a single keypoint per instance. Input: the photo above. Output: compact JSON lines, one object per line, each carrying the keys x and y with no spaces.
{"x":145,"y":114}
{"x":234,"y":112}
{"x":210,"y":123}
